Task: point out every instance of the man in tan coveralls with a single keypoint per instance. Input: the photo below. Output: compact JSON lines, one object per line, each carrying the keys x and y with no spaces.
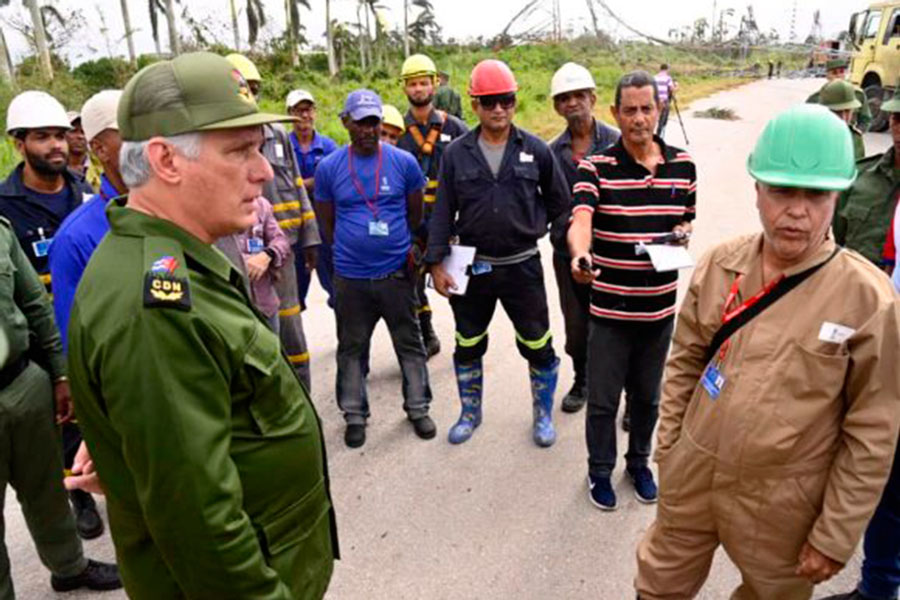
{"x":777,"y":443}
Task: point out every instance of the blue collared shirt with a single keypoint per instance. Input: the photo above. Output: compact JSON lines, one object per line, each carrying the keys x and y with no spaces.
{"x":71,"y":249}
{"x":320,"y":147}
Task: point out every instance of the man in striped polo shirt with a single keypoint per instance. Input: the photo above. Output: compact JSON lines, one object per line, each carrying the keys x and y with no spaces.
{"x":634,"y":191}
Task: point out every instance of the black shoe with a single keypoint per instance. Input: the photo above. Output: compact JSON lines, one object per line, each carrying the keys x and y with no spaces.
{"x":575,"y":399}
{"x":424,"y":427}
{"x":87,"y":519}
{"x":96,"y":576}
{"x":355,"y":435}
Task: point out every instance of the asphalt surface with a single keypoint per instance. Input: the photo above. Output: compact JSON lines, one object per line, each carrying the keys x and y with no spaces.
{"x":496,"y":517}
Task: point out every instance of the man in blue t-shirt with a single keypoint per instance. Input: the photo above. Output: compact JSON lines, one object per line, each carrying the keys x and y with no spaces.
{"x":369,"y":196}
{"x":310,"y":147}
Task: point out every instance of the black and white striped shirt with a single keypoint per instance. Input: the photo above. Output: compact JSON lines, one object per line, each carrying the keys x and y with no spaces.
{"x":630,"y":205}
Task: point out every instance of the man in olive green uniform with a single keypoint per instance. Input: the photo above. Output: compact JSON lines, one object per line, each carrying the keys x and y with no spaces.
{"x":836,"y":70}
{"x":864,"y":212}
{"x":295,"y":216}
{"x":32,"y":380}
{"x":446,"y":98}
{"x":208,"y":446}
{"x":838,"y":97}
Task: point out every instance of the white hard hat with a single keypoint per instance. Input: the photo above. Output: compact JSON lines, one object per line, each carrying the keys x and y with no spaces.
{"x":571,"y":77}
{"x":99,"y":113}
{"x":295,"y":97}
{"x":33,"y":110}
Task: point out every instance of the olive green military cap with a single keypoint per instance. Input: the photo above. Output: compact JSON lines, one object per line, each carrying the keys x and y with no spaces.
{"x":892,"y":105}
{"x":836,"y":63}
{"x":839,"y":95}
{"x":198,"y":91}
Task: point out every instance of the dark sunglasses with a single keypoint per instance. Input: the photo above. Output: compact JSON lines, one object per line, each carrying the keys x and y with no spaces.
{"x":507,"y":101}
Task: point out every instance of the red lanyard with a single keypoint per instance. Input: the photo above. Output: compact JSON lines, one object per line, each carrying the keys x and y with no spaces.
{"x":728,"y":314}
{"x":370,"y":202}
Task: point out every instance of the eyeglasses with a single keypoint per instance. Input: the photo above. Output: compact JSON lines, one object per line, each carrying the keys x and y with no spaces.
{"x":506,"y":101}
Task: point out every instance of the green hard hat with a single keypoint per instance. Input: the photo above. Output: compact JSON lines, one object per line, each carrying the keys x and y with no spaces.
{"x":197,"y":91}
{"x":836,"y":63}
{"x":839,"y":95}
{"x":892,"y":105}
{"x":806,"y":146}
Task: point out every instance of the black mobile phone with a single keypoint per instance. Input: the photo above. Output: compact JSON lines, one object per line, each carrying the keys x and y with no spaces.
{"x":584,"y":265}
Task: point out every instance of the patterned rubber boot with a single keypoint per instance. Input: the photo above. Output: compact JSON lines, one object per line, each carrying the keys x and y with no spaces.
{"x":543,"y":386}
{"x":469,"y":379}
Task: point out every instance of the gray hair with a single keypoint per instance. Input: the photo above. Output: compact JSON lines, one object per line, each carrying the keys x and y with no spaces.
{"x":133,"y":163}
{"x":636,"y":79}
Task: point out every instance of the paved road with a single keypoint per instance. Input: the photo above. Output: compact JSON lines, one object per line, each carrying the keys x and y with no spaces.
{"x":496,"y":517}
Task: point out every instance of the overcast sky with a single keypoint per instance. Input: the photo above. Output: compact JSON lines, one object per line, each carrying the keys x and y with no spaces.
{"x":459,"y":18}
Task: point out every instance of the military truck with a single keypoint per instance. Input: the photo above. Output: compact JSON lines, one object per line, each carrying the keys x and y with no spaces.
{"x":874,"y":34}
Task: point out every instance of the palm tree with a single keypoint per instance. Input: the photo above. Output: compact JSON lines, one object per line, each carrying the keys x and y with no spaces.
{"x":234,"y":25}
{"x":6,"y":68}
{"x":292,"y":10}
{"x":40,"y":34}
{"x":256,"y":18}
{"x":174,"y":41}
{"x":329,"y":40}
{"x":155,"y":7}
{"x":128,"y":33}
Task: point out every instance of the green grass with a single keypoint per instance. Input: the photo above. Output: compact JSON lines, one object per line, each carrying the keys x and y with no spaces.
{"x":698,"y":73}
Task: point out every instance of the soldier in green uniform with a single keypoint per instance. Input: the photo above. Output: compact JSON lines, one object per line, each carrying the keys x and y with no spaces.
{"x":863,"y":213}
{"x":838,"y":97}
{"x":836,"y":70}
{"x":209,"y":449}
{"x":446,"y":98}
{"x":32,"y":380}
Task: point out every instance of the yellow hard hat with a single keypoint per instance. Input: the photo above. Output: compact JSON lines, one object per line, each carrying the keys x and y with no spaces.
{"x":392,"y":116}
{"x":244,"y":66}
{"x":417,"y":65}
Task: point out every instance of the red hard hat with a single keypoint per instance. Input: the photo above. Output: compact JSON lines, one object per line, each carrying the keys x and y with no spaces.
{"x":490,"y":77}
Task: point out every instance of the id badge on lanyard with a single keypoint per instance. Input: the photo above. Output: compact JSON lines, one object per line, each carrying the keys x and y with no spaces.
{"x":377,"y":226}
{"x":713,"y":380}
{"x":254,"y":245}
{"x":41,"y":247}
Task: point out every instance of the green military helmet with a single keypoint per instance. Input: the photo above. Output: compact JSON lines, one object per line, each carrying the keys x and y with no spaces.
{"x":839,"y":95}
{"x":836,"y":63}
{"x":806,"y":146}
{"x":892,"y":105}
{"x":197,"y":91}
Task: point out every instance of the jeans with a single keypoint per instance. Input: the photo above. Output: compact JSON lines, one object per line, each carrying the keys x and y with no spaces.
{"x":881,"y":566}
{"x":621,"y":355}
{"x":360,"y":303}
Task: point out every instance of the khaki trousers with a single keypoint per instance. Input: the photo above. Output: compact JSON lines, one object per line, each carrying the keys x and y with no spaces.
{"x":761,"y":520}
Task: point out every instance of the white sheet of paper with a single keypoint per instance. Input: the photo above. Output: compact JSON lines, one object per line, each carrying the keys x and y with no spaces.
{"x":666,"y":257}
{"x":457,"y":265}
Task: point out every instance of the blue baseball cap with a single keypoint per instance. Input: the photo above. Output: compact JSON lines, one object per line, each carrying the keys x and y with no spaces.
{"x":361,"y":104}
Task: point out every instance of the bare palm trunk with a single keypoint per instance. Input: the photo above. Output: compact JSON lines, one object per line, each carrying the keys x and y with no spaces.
{"x":234,"y":25}
{"x":129,"y":37}
{"x":292,"y":29}
{"x":40,"y":39}
{"x":362,"y":39}
{"x":174,"y":41}
{"x":405,"y":28}
{"x":6,"y":68}
{"x":329,"y":37}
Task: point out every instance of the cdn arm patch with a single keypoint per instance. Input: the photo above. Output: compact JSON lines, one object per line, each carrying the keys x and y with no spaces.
{"x":163,"y":289}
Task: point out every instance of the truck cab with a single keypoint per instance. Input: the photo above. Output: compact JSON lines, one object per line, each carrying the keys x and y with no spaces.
{"x":874,"y":34}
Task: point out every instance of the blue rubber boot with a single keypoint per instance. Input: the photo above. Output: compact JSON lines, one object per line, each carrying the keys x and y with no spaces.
{"x":469,"y":379}
{"x":543,"y":386}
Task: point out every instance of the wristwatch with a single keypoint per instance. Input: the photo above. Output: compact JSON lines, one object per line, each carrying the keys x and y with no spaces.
{"x":270,"y":252}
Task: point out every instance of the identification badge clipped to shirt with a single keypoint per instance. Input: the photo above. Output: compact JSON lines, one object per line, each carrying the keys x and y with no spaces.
{"x":379,"y":228}
{"x":279,"y":151}
{"x":445,"y":137}
{"x":713,"y":381}
{"x":254,"y":245}
{"x":42,"y":246}
{"x":525,"y":157}
{"x":480,"y":268}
